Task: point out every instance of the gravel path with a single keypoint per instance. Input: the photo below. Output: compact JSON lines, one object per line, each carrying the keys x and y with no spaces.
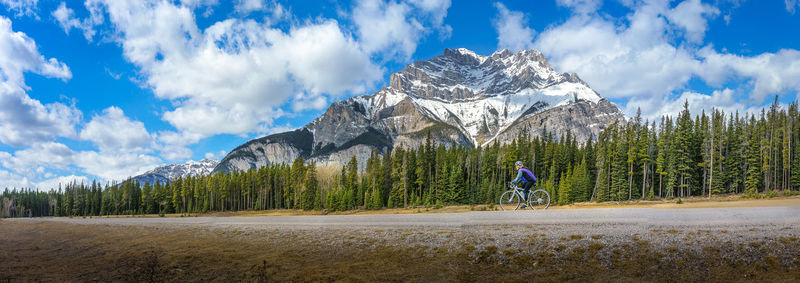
{"x":659,"y":227}
{"x":702,"y":217}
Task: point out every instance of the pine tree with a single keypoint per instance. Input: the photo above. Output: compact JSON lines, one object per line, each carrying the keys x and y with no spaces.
{"x":310,"y":185}
{"x":298,"y":174}
{"x":796,"y":168}
{"x":644,"y":155}
{"x":454,"y":184}
{"x":564,"y":188}
{"x":398,"y":178}
{"x":717,"y":178}
{"x":794,"y":125}
{"x":352,"y":182}
{"x":602,"y":184}
{"x":410,"y":163}
{"x":753,"y":181}
{"x":682,"y":151}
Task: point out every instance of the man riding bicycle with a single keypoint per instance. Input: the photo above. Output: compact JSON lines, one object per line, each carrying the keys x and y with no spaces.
{"x":527,"y":178}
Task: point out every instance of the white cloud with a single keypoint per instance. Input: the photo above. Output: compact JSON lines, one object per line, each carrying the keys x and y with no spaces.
{"x":691,"y":16}
{"x":66,"y":19}
{"x":231,"y":77}
{"x":9,"y":180}
{"x":19,"y":53}
{"x":27,"y":123}
{"x":249,"y":6}
{"x":655,"y":107}
{"x":112,"y":74}
{"x":791,"y":5}
{"x":383,"y":26}
{"x":620,"y":61}
{"x":114,"y":132}
{"x":581,"y":6}
{"x":194,"y":4}
{"x":641,"y":57}
{"x":302,"y":103}
{"x":175,"y":152}
{"x":769,"y":73}
{"x":234,"y":76}
{"x":281,"y":129}
{"x":437,"y":8}
{"x":435,"y":11}
{"x":61,"y":182}
{"x":21,"y":7}
{"x":216,"y":155}
{"x":24,"y":120}
{"x":123,"y":146}
{"x":512,"y":28}
{"x":106,"y":165}
{"x":115,"y":166}
{"x":49,"y":154}
{"x":394,"y":29}
{"x":172,"y":145}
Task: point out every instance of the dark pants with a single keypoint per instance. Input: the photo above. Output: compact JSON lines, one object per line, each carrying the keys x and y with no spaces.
{"x":526,"y":187}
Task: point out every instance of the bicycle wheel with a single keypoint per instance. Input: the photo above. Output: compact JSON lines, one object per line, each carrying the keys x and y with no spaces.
{"x":538,"y":199}
{"x":509,"y":200}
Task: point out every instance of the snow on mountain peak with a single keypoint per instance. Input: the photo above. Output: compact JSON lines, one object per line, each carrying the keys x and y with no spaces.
{"x":170,"y":172}
{"x":462,"y":75}
{"x":482,"y":95}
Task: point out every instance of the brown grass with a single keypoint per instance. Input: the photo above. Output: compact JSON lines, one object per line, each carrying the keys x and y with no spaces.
{"x":576,"y":236}
{"x":52,"y":251}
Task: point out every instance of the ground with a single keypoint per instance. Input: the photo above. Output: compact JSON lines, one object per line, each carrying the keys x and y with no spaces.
{"x":755,"y":240}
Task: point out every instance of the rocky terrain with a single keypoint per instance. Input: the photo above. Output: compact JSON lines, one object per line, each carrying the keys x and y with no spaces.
{"x":458,"y":97}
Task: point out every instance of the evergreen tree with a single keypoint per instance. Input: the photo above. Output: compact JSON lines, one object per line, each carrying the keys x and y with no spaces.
{"x":683,"y":155}
{"x":564,"y":188}
{"x":456,"y":185}
{"x":398,"y":178}
{"x":753,"y":180}
{"x":310,"y":186}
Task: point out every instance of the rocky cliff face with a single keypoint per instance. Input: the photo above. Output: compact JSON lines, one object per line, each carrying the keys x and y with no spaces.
{"x":458,"y":97}
{"x":167,"y":173}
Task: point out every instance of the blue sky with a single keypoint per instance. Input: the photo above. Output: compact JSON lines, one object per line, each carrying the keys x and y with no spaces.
{"x":105,"y":89}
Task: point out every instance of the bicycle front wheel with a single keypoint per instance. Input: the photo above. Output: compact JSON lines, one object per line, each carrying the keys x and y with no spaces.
{"x":539,"y":199}
{"x":509,"y":200}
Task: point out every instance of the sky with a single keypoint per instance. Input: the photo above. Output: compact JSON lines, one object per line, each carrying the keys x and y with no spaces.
{"x":106,"y":89}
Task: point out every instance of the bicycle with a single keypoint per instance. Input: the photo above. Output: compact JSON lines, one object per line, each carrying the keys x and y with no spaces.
{"x":511,"y":199}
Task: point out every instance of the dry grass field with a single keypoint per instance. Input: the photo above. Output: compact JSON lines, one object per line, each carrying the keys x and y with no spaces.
{"x":34,"y":250}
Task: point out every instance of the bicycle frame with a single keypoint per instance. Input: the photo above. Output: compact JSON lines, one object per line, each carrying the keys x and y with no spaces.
{"x":541,"y":198}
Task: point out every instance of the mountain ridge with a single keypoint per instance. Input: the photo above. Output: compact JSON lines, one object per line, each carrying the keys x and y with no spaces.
{"x":166,"y":173}
{"x":459,"y":97}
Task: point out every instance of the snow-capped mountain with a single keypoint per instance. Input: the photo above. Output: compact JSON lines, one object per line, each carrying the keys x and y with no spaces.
{"x":166,"y":173}
{"x":459,"y":97}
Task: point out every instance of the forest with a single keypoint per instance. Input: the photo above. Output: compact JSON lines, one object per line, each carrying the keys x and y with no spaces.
{"x":703,"y":155}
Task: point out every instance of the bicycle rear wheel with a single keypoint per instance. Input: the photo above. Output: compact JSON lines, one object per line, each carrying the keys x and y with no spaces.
{"x":539,"y":199}
{"x":509,"y":200}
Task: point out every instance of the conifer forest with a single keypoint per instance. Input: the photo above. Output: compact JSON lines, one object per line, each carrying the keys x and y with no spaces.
{"x":693,"y":154}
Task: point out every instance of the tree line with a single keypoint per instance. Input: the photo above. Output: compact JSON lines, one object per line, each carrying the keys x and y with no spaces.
{"x":701,"y":155}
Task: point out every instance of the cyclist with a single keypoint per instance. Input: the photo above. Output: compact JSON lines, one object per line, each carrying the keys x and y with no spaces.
{"x":527,"y":178}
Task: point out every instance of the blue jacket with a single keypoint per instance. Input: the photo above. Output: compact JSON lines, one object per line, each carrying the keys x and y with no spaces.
{"x":524,"y":174}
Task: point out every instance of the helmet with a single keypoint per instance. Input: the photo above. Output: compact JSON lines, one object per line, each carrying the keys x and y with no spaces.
{"x":519,"y":163}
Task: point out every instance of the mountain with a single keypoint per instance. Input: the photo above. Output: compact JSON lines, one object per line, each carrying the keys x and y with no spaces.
{"x":458,"y":97}
{"x":166,"y":173}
